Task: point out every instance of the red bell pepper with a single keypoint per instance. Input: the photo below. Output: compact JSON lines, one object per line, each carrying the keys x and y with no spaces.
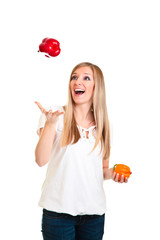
{"x":50,"y":46}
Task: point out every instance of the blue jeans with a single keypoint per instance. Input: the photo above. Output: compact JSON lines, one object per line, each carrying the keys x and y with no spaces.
{"x":61,"y":226}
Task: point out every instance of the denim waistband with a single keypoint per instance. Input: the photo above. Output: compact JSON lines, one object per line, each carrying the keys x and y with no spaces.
{"x":51,"y":213}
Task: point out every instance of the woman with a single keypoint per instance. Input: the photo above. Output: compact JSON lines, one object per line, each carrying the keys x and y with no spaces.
{"x":75,"y":142}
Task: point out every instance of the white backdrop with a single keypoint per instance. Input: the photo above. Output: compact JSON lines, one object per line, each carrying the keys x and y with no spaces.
{"x":122,"y":38}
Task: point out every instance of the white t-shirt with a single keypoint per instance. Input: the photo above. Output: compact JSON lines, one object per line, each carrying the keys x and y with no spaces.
{"x":74,"y":178}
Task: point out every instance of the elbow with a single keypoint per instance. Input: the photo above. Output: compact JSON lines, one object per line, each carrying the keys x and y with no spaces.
{"x":39,"y":163}
{"x":40,"y":160}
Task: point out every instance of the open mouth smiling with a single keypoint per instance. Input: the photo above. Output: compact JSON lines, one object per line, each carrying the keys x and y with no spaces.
{"x":79,"y":91}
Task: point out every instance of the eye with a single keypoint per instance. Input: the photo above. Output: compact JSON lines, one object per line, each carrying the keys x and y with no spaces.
{"x":86,"y":78}
{"x":73,"y":77}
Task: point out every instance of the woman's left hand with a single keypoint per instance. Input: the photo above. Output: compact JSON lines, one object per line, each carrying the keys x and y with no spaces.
{"x":116,"y":176}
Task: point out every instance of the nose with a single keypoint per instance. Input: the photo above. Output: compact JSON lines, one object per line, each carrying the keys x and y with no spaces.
{"x":78,"y":81}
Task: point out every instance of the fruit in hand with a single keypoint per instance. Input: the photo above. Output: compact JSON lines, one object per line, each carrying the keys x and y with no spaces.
{"x":122,"y":170}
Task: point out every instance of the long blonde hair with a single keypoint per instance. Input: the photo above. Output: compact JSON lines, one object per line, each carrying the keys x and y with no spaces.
{"x":70,"y":132}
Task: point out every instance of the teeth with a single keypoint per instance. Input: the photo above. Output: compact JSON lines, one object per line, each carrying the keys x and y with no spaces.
{"x":76,"y":90}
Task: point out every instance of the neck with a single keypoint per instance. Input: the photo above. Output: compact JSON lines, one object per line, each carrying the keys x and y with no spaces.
{"x":83,"y":113}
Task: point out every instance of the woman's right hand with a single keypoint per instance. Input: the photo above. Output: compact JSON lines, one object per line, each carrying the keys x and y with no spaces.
{"x":51,"y":117}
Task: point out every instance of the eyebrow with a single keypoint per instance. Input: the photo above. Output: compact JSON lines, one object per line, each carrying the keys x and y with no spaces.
{"x":84,"y":73}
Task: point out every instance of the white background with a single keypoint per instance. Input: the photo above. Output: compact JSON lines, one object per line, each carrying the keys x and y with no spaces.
{"x":120,"y":36}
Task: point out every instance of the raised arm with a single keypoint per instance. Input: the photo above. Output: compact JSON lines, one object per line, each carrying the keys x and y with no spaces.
{"x":46,"y":136}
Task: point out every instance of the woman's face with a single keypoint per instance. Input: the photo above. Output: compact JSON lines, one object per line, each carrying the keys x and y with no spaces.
{"x":82,"y":85}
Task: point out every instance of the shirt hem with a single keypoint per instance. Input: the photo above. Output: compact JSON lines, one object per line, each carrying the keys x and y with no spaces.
{"x":72,"y":213}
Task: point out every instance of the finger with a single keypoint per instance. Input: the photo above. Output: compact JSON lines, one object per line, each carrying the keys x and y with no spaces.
{"x":40,"y":107}
{"x":50,"y":111}
{"x":57,"y":113}
{"x":114,"y":175}
{"x":60,"y":113}
{"x":38,"y":104}
{"x":122,"y":179}
{"x":117,"y":176}
{"x":126,"y":180}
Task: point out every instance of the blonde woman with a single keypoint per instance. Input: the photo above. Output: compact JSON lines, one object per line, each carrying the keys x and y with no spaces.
{"x":75,"y":142}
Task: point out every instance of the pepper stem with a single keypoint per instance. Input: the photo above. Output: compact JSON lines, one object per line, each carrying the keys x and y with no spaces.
{"x":114,"y":166}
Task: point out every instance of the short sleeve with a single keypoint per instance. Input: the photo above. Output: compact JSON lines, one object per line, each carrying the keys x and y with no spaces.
{"x":42,"y":118}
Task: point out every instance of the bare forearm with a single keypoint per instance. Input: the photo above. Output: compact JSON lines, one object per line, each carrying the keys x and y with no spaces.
{"x":45,"y":143}
{"x":107,"y":173}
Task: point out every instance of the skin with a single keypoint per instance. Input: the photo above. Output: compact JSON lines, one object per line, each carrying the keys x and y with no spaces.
{"x":82,"y":78}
